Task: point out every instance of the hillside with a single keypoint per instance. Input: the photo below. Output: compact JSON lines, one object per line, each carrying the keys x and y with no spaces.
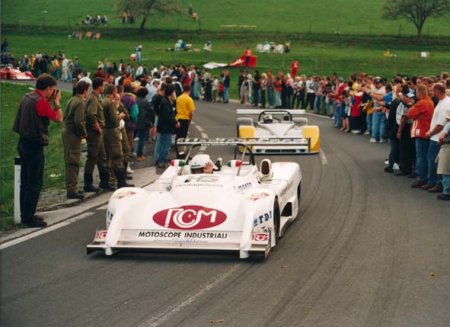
{"x":283,"y":16}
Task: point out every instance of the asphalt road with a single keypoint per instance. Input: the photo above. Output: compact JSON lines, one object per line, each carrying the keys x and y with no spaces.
{"x":367,"y":251}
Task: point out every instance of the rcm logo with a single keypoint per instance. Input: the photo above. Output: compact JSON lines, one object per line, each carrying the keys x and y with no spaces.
{"x":189,"y":217}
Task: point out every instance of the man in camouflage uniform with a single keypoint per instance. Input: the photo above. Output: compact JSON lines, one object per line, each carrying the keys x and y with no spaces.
{"x":112,"y":139}
{"x":73,"y":133}
{"x":95,"y":124}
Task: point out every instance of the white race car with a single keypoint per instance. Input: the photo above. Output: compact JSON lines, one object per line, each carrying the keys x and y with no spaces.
{"x":236,"y":208}
{"x":279,"y":124}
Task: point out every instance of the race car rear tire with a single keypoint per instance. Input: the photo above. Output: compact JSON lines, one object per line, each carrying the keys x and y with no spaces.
{"x":243,"y":121}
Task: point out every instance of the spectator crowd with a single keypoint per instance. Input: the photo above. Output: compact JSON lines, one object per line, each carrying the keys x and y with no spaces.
{"x":121,"y":103}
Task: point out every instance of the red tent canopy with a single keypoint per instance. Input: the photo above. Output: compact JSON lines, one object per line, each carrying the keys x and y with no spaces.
{"x":240,"y":62}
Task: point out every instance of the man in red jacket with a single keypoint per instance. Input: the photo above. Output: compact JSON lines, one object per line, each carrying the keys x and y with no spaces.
{"x":421,"y":113}
{"x":33,"y":117}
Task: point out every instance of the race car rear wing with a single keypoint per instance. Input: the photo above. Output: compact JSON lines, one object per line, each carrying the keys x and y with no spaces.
{"x":245,"y":144}
{"x":255,"y":112}
{"x":233,"y":141}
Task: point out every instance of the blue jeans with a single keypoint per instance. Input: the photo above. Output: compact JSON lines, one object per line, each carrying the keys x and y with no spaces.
{"x":163,"y":143}
{"x":421,"y":158}
{"x":226,"y":97}
{"x":142,"y":134}
{"x":317,"y":100}
{"x":446,"y":184}
{"x":328,"y":108}
{"x":433,"y":150}
{"x":369,"y":120}
{"x":270,"y":97}
{"x":337,"y":118}
{"x":278,"y":99}
{"x":378,"y":125}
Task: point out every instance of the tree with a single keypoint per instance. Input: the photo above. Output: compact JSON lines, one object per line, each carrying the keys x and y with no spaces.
{"x":144,"y":8}
{"x":416,"y":11}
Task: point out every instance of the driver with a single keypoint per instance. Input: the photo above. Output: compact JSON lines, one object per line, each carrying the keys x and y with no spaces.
{"x":267,"y":119}
{"x":201,"y":164}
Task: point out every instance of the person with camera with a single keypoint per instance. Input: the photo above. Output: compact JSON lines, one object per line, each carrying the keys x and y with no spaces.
{"x":73,"y":133}
{"x":31,"y":123}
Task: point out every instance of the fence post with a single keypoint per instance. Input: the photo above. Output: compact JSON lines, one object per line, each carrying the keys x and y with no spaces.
{"x":17,"y":169}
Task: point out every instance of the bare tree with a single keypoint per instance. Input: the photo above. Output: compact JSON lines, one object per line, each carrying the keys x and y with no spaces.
{"x":144,"y":8}
{"x":416,"y":11}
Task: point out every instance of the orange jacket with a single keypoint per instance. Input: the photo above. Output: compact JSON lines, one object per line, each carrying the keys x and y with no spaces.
{"x":421,"y":113}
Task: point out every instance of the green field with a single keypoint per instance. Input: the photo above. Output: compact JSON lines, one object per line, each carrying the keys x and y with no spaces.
{"x":310,"y":26}
{"x":283,"y":16}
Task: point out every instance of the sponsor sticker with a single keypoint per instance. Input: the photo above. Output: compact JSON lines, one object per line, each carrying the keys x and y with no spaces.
{"x":257,"y":196}
{"x":260,"y":237}
{"x":262,"y":218}
{"x":125,"y":194}
{"x":100,"y":236}
{"x":181,"y":238}
{"x":243,"y":187}
{"x":189,"y":217}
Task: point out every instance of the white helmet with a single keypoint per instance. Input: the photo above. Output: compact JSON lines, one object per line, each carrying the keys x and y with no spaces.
{"x":267,"y":118}
{"x":198,"y":163}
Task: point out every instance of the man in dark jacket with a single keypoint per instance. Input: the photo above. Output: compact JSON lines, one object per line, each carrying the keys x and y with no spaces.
{"x":145,"y":120}
{"x":74,"y":132}
{"x":392,"y":129}
{"x":165,"y":127}
{"x":32,"y":120}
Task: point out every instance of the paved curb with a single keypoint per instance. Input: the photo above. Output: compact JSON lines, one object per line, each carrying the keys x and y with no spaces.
{"x":63,"y":211}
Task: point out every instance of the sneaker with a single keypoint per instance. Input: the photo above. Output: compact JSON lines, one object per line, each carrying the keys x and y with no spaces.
{"x":426,"y":187}
{"x":418,"y":184}
{"x":140,"y":158}
{"x":435,"y":189}
{"x":91,"y":188}
{"x":401,"y":173}
{"x":356,"y":131}
{"x":386,"y":162}
{"x":106,"y":186}
{"x":34,"y":223}
{"x":382,"y":141}
{"x":129,"y":170}
{"x":396,"y":166}
{"x":36,"y":217}
{"x":75,"y":195}
{"x":366,"y":133}
{"x":445,"y":197}
{"x":372,"y":140}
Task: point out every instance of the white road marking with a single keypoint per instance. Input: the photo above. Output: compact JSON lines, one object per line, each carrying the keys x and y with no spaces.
{"x":166,"y":315}
{"x":323,"y":157}
{"x":49,"y":229}
{"x":201,"y":130}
